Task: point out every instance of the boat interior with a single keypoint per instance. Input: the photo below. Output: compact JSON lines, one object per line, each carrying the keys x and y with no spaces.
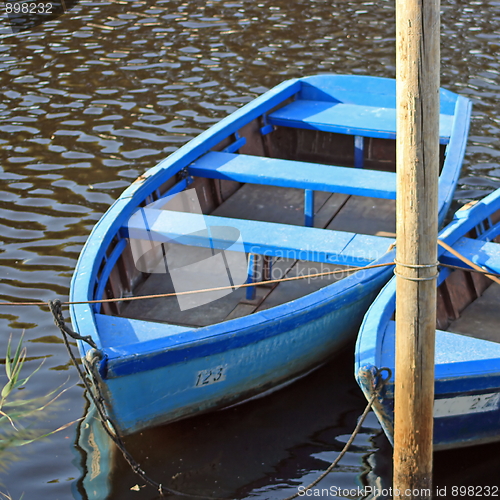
{"x":467,"y":302}
{"x":297,"y":180}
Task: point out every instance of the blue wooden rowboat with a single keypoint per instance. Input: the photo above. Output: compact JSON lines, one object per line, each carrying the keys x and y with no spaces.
{"x":299,"y":181}
{"x":467,"y":370}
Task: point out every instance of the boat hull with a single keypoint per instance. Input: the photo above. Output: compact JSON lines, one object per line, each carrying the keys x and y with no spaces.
{"x":242,"y":363}
{"x":467,"y":415}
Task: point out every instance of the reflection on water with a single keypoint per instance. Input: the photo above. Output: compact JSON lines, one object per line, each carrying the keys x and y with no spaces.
{"x":92,"y":99}
{"x":264,"y":449}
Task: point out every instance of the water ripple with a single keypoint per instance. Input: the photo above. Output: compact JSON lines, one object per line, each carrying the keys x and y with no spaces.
{"x":92,"y":99}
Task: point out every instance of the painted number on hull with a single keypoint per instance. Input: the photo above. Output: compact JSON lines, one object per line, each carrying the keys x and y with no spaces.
{"x":207,"y":377}
{"x":465,"y":405}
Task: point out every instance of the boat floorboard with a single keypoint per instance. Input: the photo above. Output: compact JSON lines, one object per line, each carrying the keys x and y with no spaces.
{"x":291,"y":290}
{"x":481,"y":318}
{"x":278,"y":204}
{"x":270,"y":204}
{"x":366,"y":215}
{"x":167,"y":309}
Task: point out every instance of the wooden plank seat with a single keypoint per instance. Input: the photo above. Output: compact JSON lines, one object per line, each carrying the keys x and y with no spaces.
{"x":265,"y":238}
{"x":345,"y":118}
{"x":480,"y":252}
{"x":118,"y":331}
{"x":295,"y":174}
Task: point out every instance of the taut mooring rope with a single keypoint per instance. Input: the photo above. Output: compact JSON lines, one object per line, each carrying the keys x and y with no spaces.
{"x":204,"y":290}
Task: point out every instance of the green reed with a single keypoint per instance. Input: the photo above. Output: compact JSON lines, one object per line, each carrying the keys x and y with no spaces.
{"x":18,"y":414}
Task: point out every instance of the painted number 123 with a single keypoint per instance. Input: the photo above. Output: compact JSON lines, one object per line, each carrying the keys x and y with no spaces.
{"x":206,"y":377}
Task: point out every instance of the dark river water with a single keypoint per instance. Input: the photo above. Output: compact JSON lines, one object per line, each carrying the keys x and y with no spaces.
{"x":92,"y":99}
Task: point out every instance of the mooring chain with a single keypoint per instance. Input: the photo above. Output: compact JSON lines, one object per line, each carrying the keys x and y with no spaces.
{"x":92,"y":358}
{"x":56,"y":310}
{"x":379,"y":382}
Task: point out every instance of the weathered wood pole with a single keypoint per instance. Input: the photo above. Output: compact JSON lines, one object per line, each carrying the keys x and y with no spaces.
{"x":417,"y":157}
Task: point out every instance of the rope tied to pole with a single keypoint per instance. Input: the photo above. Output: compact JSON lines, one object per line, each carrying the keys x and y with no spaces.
{"x":475,"y":268}
{"x":416,"y":266}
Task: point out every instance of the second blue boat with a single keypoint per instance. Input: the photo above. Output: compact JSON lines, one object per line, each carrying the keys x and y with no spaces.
{"x":467,"y":352}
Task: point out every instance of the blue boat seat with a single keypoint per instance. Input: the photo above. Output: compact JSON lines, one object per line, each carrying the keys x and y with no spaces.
{"x":482,"y":253}
{"x":346,"y":118}
{"x":116,"y":331}
{"x":264,"y":238}
{"x":295,"y":174}
{"x":451,"y":348}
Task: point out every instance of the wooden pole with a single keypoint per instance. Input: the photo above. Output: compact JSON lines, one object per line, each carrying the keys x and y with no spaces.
{"x":417,"y":157}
